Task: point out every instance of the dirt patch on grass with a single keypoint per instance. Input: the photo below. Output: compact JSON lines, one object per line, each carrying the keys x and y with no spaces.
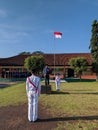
{"x":15,"y":118}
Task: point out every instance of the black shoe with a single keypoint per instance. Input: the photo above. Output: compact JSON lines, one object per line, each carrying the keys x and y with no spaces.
{"x":30,"y":121}
{"x":36,"y":120}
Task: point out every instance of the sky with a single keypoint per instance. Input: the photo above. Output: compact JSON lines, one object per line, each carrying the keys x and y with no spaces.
{"x":29,"y":26}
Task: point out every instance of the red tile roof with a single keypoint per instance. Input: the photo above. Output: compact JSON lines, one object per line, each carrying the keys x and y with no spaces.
{"x":60,"y":59}
{"x":63,"y":59}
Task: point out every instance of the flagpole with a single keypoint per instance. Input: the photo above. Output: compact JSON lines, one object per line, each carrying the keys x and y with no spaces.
{"x":54,"y":56}
{"x":56,"y":35}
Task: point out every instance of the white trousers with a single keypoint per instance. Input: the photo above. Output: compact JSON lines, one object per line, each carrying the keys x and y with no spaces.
{"x":57,"y":85}
{"x":32,"y":106}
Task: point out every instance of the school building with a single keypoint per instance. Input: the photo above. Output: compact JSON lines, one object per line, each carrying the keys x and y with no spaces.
{"x":13,"y":67}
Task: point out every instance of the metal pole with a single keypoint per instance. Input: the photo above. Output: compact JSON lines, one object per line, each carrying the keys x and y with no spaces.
{"x":54,"y":56}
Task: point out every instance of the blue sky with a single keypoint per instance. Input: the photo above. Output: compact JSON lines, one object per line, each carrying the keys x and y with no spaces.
{"x":28,"y":25}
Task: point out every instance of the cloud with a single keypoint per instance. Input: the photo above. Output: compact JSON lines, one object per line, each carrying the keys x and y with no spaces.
{"x":3,"y":13}
{"x":11,"y":33}
{"x":6,"y":35}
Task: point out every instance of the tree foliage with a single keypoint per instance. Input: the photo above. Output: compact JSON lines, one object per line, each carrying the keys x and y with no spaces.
{"x":94,"y":46}
{"x":28,"y":53}
{"x":35,"y":62}
{"x":24,"y":53}
{"x":79,"y":64}
{"x":37,"y":52}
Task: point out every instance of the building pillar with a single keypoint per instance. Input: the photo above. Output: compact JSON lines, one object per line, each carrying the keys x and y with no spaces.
{"x":0,"y":72}
{"x":66,"y":72}
{"x":75,"y":74}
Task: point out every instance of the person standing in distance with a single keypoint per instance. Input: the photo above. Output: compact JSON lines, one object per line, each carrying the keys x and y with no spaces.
{"x":46,"y":72}
{"x":33,"y":89}
{"x":57,"y":81}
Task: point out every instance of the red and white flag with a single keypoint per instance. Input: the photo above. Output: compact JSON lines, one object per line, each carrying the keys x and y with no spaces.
{"x":58,"y":34}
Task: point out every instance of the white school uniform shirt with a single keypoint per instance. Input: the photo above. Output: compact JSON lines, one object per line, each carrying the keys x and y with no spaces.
{"x":57,"y":78}
{"x":36,"y":81}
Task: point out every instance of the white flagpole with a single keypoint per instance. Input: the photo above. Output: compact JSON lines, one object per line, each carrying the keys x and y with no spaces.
{"x":58,"y":35}
{"x":54,"y":56}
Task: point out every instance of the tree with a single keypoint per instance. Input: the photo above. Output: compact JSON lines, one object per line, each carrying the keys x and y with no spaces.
{"x":34,"y":62}
{"x":79,"y":64}
{"x":24,"y":53}
{"x":37,"y":52}
{"x":94,"y":47}
{"x":29,"y":53}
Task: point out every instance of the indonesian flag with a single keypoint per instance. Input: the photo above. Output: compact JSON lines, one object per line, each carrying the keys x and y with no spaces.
{"x":58,"y":34}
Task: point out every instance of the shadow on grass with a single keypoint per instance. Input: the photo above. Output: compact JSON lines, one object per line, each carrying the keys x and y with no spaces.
{"x":60,"y":92}
{"x":4,"y":86}
{"x":8,"y":84}
{"x":69,"y":118}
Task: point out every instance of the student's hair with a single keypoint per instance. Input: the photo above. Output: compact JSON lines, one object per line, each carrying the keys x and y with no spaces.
{"x":34,"y":71}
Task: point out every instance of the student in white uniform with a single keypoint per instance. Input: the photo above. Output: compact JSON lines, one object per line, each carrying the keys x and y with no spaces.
{"x":33,"y":90}
{"x":57,"y":81}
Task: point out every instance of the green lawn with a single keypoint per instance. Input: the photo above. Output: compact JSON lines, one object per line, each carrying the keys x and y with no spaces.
{"x":75,"y":106}
{"x":13,"y":95}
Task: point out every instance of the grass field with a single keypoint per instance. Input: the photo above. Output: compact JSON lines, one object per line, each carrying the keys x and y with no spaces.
{"x":75,"y":107}
{"x":13,"y":95}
